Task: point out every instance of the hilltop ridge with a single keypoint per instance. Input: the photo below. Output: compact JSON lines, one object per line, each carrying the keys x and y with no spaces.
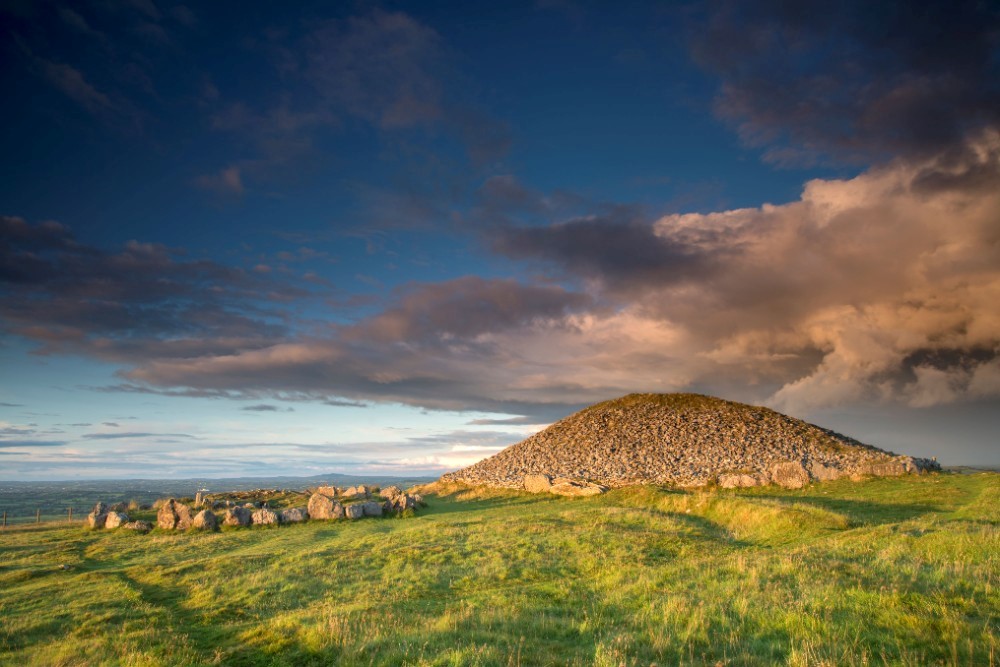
{"x":681,"y":439}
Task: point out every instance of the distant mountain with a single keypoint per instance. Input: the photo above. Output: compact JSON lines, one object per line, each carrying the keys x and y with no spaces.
{"x":681,"y":439}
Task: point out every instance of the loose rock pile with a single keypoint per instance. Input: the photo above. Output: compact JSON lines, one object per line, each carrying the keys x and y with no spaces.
{"x":681,"y":440}
{"x":325,"y":503}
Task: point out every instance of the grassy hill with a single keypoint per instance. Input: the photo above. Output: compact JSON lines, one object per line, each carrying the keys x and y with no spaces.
{"x":901,"y":571}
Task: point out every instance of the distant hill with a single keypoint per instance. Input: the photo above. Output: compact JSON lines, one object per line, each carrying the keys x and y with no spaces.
{"x":680,"y":439}
{"x":22,"y":499}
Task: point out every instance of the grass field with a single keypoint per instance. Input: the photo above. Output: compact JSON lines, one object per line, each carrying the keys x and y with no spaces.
{"x":891,"y":571}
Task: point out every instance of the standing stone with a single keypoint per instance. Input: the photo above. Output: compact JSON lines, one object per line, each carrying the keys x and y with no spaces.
{"x":324,"y":507}
{"x":205,"y":520}
{"x":198,"y":499}
{"x":789,"y":474}
{"x":115,"y":519}
{"x":355,"y":511}
{"x":101,"y":508}
{"x":264,"y":517}
{"x":95,"y":520}
{"x":330,"y":491}
{"x":293,"y":515}
{"x":173,"y":516}
{"x":537,"y":483}
{"x":236,"y":516}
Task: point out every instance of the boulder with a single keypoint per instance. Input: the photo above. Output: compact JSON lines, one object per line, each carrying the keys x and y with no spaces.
{"x":138,"y":526}
{"x":733,"y":480}
{"x":537,"y":483}
{"x":173,"y":515}
{"x":399,"y":503}
{"x":236,"y":516}
{"x":101,"y":508}
{"x":294,"y":515}
{"x":390,"y":492}
{"x":371,"y":508}
{"x":888,"y":468}
{"x":789,"y":474}
{"x":205,"y":520}
{"x":577,"y":488}
{"x":115,"y":520}
{"x":324,"y":507}
{"x":330,"y":491}
{"x":355,"y":511}
{"x":824,"y":473}
{"x":357,"y":492}
{"x":264,"y":517}
{"x":118,"y":507}
{"x":95,"y":520}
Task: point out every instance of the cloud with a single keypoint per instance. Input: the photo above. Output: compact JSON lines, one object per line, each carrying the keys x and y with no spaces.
{"x":381,"y":67}
{"x":142,"y":300}
{"x":874,"y":288}
{"x":17,"y":444}
{"x":71,"y":82}
{"x":264,"y":407}
{"x":855,"y":80}
{"x":134,"y":435}
{"x":228,"y":181}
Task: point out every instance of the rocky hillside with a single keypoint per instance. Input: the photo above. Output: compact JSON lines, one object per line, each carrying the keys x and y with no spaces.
{"x":683,"y":439}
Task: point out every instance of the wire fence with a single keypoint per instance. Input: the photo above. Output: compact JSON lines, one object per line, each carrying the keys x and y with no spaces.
{"x":11,"y":518}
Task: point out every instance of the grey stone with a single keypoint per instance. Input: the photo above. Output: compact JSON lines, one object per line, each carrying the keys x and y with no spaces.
{"x":115,"y":519}
{"x":354,"y":511}
{"x":737,"y":480}
{"x":789,"y":474}
{"x":824,"y":473}
{"x":138,"y":526}
{"x":371,"y":508}
{"x":537,"y":483}
{"x":293,"y":515}
{"x":237,"y":516}
{"x":324,"y":507}
{"x":264,"y":517}
{"x":577,"y":488}
{"x":95,"y":520}
{"x":173,"y":516}
{"x":205,"y":520}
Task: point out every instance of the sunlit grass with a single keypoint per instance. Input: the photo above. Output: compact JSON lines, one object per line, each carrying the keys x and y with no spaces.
{"x":897,"y":571}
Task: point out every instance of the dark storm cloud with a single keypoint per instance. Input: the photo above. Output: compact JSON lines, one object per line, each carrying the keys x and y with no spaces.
{"x":464,"y":308}
{"x":141,"y":301}
{"x":853,"y":80}
{"x":621,"y":250}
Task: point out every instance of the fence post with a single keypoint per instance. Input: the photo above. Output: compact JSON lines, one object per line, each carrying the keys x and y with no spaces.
{"x":5,"y":518}
{"x":71,"y":515}
{"x":38,"y":515}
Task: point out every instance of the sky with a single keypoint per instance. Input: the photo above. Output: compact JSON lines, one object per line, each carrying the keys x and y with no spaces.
{"x":378,"y":238}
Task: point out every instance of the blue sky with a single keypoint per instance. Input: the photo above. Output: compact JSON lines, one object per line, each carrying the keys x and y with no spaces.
{"x":400,"y":236}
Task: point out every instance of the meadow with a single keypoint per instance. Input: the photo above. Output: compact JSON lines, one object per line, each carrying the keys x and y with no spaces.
{"x":901,"y":571}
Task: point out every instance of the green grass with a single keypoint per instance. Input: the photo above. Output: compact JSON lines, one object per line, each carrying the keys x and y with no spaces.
{"x":892,"y":571}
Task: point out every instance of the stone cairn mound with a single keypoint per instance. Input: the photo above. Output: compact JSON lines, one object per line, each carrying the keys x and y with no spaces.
{"x":683,"y":440}
{"x":325,"y":502}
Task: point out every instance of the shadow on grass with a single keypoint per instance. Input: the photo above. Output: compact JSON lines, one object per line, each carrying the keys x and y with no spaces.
{"x":858,"y":512}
